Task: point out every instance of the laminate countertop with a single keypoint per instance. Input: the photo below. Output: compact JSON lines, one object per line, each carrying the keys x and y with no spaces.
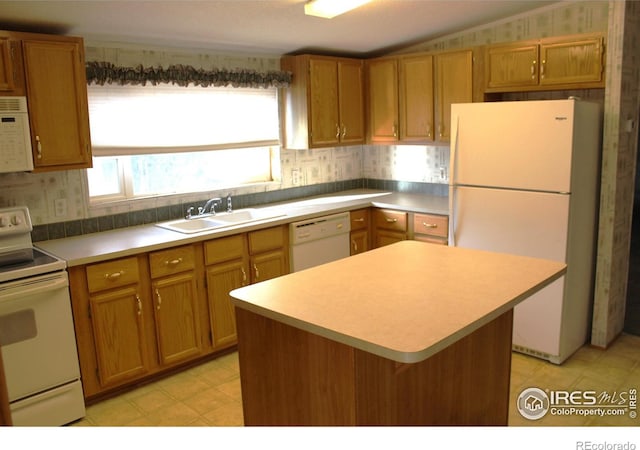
{"x":95,"y":247}
{"x":403,"y":302}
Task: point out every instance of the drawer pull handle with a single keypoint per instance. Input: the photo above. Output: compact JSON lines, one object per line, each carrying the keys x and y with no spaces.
{"x":159,"y":300}
{"x":39,"y":147}
{"x":257,"y":271}
{"x":359,"y":219}
{"x":173,"y":262}
{"x":355,"y":245}
{"x":139,"y":304}
{"x":244,"y":276}
{"x":391,"y":219}
{"x":430,"y":225}
{"x":114,"y":276}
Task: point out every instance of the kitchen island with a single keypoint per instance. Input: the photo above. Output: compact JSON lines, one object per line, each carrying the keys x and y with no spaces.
{"x":408,"y":334}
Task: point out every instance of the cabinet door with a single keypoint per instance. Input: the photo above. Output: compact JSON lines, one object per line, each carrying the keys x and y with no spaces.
{"x":177,"y":318}
{"x":57,"y":97}
{"x":383,"y":100}
{"x":268,"y":265}
{"x":454,"y":81}
{"x":118,"y":329}
{"x":512,"y":65}
{"x":325,"y":121}
{"x":416,"y":98}
{"x":359,"y":242}
{"x":351,"y":103}
{"x":221,"y":279}
{"x":386,"y":237}
{"x":10,"y":68}
{"x":571,"y":62}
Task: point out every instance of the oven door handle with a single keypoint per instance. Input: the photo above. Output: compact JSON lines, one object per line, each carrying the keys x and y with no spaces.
{"x":29,"y":287}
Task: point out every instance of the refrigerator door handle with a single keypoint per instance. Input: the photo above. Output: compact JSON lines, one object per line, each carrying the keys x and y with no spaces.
{"x":452,"y":180}
{"x":454,"y":149}
{"x":452,"y":216}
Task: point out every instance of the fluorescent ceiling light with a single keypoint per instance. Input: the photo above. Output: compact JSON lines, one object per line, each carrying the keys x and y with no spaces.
{"x":331,"y":8}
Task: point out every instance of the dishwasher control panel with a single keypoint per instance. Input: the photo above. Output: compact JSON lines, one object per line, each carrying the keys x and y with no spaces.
{"x":319,"y":228}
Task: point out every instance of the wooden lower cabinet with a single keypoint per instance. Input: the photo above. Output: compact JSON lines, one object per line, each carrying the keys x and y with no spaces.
{"x":118,"y":327}
{"x":226,"y":269}
{"x":222,"y":278}
{"x":431,"y":228}
{"x":235,"y":261}
{"x":176,"y":315}
{"x":139,"y":316}
{"x":389,"y":226}
{"x":360,"y":234}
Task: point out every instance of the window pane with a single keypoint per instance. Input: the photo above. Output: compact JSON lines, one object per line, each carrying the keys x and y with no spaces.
{"x":198,"y":171}
{"x":104,"y":177}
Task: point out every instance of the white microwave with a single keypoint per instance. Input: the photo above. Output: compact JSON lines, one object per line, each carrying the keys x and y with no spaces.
{"x":15,"y":137}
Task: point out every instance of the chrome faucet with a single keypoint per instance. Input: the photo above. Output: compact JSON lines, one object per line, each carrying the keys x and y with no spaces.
{"x":229,"y":207}
{"x":210,"y":206}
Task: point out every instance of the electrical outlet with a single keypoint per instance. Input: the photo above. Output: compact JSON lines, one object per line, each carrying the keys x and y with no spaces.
{"x":295,"y":177}
{"x":60,"y":207}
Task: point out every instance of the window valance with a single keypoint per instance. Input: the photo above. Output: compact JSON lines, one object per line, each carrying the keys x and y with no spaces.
{"x":100,"y":72}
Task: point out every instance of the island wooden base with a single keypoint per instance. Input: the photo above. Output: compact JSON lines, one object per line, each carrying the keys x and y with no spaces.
{"x":293,"y":377}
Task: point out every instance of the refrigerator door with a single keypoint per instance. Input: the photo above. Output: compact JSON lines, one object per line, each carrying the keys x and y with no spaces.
{"x":523,"y":223}
{"x":517,"y":145}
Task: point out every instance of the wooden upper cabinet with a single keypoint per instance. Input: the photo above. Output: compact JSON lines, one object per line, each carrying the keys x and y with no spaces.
{"x":57,"y":101}
{"x":552,"y":63}
{"x":383,"y":99}
{"x":410,"y":96}
{"x":323,"y":92}
{"x":572,"y":61}
{"x":324,"y":105}
{"x":512,"y":65}
{"x":454,"y":84}
{"x":416,"y":98}
{"x":351,"y":101}
{"x":11,"y":72}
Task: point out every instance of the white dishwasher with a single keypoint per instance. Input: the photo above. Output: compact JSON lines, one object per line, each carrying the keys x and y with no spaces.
{"x":319,"y":240}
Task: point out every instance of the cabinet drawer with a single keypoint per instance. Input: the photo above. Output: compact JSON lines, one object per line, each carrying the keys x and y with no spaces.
{"x":390,"y":220}
{"x":433,"y":225}
{"x":267,"y":239}
{"x":170,"y":261}
{"x":359,"y":219}
{"x":111,"y":274}
{"x":224,"y":249}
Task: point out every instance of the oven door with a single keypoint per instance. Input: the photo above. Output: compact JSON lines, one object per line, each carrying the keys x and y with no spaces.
{"x":37,"y":334}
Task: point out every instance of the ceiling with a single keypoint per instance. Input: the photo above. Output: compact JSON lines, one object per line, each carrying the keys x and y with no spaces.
{"x":261,"y":27}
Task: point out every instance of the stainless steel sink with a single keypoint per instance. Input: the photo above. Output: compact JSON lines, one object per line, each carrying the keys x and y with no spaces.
{"x":211,"y":222}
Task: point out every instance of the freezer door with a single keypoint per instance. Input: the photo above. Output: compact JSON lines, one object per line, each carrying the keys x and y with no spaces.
{"x":522,"y":223}
{"x":518,"y":145}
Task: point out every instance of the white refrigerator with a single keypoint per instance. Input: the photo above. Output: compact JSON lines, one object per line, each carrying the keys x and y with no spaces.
{"x":524,"y":179}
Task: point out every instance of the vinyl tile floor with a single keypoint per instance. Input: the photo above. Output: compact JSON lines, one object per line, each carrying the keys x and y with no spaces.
{"x":209,"y":394}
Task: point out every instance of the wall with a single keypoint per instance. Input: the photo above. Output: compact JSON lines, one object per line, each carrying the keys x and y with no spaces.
{"x":622,"y":103}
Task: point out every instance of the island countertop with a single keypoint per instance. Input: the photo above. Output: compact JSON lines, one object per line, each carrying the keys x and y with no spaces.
{"x":404,"y":302}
